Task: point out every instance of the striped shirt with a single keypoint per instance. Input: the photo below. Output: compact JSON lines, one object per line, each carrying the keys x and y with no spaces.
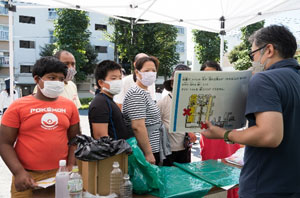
{"x":139,"y":105}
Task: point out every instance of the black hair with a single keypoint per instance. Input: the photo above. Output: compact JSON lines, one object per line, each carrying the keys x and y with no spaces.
{"x":104,"y":67}
{"x":140,"y":63}
{"x":279,"y":36}
{"x":212,"y":64}
{"x":49,"y":64}
{"x":58,"y":54}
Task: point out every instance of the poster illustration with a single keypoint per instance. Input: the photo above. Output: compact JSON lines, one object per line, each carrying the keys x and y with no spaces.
{"x":219,"y":97}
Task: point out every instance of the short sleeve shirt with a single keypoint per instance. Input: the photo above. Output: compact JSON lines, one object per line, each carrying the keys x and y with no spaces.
{"x":99,"y":113}
{"x":274,"y":170}
{"x":139,"y":105}
{"x":43,"y":125}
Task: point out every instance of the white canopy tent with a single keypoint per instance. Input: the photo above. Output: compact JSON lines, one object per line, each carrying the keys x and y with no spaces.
{"x":217,"y":16}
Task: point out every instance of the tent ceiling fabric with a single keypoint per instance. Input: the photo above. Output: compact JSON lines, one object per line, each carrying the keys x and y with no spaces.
{"x":197,"y":14}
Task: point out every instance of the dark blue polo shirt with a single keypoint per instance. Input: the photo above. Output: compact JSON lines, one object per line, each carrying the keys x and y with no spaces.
{"x":268,"y":171}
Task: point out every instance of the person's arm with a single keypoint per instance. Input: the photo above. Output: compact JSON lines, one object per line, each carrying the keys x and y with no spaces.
{"x":100,"y":130}
{"x":141,"y":134}
{"x":8,"y":136}
{"x":268,"y":131}
{"x":72,"y":132}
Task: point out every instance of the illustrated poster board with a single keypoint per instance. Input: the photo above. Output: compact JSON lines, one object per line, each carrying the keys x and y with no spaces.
{"x":219,"y":97}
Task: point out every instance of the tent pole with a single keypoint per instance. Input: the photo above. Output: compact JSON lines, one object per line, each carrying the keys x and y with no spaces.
{"x":221,"y":50}
{"x":11,"y":9}
{"x":222,"y":33}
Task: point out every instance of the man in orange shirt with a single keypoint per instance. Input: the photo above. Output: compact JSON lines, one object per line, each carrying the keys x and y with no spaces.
{"x":36,"y":129}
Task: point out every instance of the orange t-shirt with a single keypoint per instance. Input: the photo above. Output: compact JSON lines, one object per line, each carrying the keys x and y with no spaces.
{"x":42,"y":137}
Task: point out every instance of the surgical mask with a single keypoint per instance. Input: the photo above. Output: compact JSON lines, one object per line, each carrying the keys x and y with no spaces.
{"x":115,"y":87}
{"x":71,"y":73}
{"x":148,"y":78}
{"x":52,"y":89}
{"x":257,"y":66}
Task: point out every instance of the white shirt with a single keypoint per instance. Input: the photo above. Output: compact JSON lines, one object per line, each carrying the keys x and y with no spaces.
{"x":5,"y":100}
{"x":176,"y":139}
{"x":127,"y":83}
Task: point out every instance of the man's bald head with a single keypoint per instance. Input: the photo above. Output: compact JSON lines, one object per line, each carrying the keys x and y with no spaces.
{"x":138,"y":56}
{"x":66,"y":57}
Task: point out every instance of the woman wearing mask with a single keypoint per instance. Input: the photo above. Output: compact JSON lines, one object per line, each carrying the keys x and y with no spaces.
{"x":105,"y":116}
{"x":140,"y":111}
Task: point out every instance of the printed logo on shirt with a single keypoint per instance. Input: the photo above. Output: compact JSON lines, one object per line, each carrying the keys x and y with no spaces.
{"x":48,"y":109}
{"x":49,"y":121}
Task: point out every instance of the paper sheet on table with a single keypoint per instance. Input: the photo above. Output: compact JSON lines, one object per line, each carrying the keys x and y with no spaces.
{"x":46,"y":182}
{"x":237,"y":158}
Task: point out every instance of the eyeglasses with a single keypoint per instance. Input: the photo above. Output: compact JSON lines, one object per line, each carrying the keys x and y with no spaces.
{"x":251,"y":54}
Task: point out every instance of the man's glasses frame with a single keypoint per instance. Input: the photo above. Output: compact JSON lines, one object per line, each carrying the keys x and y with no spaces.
{"x":251,"y":54}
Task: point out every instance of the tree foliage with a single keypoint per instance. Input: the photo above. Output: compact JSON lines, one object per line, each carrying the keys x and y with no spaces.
{"x":158,"y":40}
{"x":239,"y":55}
{"x":72,"y":35}
{"x":207,"y":46}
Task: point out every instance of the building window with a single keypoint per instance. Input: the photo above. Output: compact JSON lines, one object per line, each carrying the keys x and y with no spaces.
{"x":4,"y":32}
{"x":101,"y":49}
{"x":27,"y":19}
{"x":4,"y":58}
{"x":180,"y":30}
{"x":3,"y":10}
{"x":52,"y":14}
{"x":52,"y":37}
{"x":26,"y":68}
{"x":100,"y":27}
{"x":27,"y":44}
{"x":180,"y":46}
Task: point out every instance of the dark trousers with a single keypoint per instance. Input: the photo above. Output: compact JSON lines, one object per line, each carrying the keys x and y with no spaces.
{"x":183,"y":156}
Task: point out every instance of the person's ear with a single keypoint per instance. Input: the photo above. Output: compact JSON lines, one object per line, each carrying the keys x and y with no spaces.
{"x":270,"y":50}
{"x":100,"y":83}
{"x":36,"y":79}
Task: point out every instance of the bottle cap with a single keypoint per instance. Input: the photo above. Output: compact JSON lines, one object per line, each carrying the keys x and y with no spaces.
{"x":126,"y":176}
{"x":62,"y":163}
{"x":116,"y":164}
{"x":75,"y":169}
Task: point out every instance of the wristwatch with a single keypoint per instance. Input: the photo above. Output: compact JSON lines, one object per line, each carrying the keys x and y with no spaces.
{"x":226,"y":139}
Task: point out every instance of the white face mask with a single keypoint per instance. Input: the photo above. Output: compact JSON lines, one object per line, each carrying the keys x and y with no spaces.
{"x":148,"y":78}
{"x":52,"y":89}
{"x":115,"y":87}
{"x":257,"y":66}
{"x":71,"y":73}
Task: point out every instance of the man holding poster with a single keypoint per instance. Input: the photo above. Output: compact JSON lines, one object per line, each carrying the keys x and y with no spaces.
{"x":272,"y":155}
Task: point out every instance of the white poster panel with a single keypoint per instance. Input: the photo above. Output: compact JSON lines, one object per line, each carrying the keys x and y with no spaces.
{"x":219,"y":97}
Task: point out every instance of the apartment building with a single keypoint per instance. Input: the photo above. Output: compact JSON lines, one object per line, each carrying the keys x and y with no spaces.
{"x":33,"y":28}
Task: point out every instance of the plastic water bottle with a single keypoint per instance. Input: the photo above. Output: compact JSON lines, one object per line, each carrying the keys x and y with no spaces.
{"x":115,"y":179}
{"x":75,"y":184}
{"x":126,"y":187}
{"x":61,"y":181}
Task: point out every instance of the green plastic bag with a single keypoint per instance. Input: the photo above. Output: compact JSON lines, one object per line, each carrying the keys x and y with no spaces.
{"x":213,"y":172}
{"x":178,"y":183}
{"x":143,"y":175}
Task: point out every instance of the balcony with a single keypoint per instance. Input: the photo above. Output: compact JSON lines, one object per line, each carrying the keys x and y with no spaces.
{"x":4,"y":61}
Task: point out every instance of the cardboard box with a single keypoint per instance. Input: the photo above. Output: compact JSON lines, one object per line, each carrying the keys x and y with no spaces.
{"x":96,"y":175}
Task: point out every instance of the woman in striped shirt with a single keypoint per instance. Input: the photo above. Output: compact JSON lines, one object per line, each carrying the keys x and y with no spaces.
{"x":140,"y":112}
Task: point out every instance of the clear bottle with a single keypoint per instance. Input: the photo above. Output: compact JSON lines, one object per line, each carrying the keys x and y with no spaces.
{"x":75,"y":184}
{"x":115,"y":179}
{"x":61,"y":180}
{"x":126,"y":187}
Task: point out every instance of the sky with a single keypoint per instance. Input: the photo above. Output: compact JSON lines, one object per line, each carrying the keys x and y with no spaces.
{"x":291,"y":19}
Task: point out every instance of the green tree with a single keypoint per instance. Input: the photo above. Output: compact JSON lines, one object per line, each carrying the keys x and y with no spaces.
{"x":72,"y":35}
{"x":239,"y":55}
{"x":207,"y":46}
{"x":158,"y":40}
